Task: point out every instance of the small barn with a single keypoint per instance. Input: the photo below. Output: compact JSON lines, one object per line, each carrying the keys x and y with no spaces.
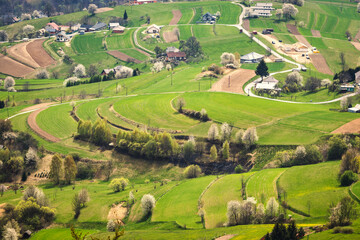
{"x":153,"y":29}
{"x":118,"y":29}
{"x":61,"y":37}
{"x":98,"y":26}
{"x":252,"y":57}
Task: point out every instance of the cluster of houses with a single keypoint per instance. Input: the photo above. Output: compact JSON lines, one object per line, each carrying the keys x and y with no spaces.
{"x":208,"y":18}
{"x":261,"y":10}
{"x":61,"y":32}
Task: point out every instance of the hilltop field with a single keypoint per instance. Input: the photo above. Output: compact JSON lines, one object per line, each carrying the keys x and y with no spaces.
{"x":267,"y":147}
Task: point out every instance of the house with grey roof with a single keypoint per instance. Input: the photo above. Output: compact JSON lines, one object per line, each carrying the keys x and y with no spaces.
{"x":98,"y":26}
{"x":172,"y":49}
{"x":252,"y":57}
{"x":62,"y":37}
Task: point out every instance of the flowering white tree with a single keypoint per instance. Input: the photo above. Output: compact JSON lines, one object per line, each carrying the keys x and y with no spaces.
{"x":10,"y":234}
{"x":70,"y":81}
{"x":233,"y":213}
{"x":42,"y":74}
{"x":250,"y":137}
{"x":28,"y":29}
{"x":92,"y":8}
{"x":124,"y":72}
{"x":158,"y":66}
{"x":147,"y":204}
{"x":289,"y":10}
{"x":9,"y":82}
{"x":272,"y":208}
{"x":25,"y":16}
{"x":225,"y":131}
{"x":344,"y":103}
{"x":279,"y":13}
{"x":213,"y":133}
{"x":325,"y":82}
{"x":131,"y":197}
{"x":238,"y":136}
{"x":227,"y":58}
{"x":294,"y":77}
{"x":80,"y":71}
{"x":31,"y":158}
{"x":36,"y":14}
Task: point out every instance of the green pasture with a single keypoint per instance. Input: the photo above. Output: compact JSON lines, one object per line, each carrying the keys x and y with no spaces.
{"x":57,"y":121}
{"x":313,"y":188}
{"x":59,"y":233}
{"x":262,"y":185}
{"x":117,"y":41}
{"x":88,"y":43}
{"x":185,"y":32}
{"x":186,"y":15}
{"x":197,"y":16}
{"x":181,"y":203}
{"x":218,"y":195}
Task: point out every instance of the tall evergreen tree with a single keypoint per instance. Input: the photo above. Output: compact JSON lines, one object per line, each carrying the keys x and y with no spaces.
{"x":125,"y":15}
{"x":262,"y":69}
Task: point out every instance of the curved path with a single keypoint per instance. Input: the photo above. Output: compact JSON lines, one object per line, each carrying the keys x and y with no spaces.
{"x":33,"y":125}
{"x":137,"y":43}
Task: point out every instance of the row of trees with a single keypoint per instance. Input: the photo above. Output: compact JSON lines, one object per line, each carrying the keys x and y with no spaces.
{"x":62,"y":170}
{"x":99,"y":133}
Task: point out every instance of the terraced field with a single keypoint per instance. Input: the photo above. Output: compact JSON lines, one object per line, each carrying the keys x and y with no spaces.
{"x":180,"y":204}
{"x":316,"y":188}
{"x":215,"y":201}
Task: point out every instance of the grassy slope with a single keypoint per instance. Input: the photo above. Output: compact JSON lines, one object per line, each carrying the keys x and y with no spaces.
{"x":314,"y":185}
{"x":218,"y":195}
{"x":180,"y":204}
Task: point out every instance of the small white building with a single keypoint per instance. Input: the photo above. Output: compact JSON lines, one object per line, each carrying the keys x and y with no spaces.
{"x":355,"y":109}
{"x":252,"y":57}
{"x":153,"y":29}
{"x":172,"y":49}
{"x":61,"y":37}
{"x":113,"y":25}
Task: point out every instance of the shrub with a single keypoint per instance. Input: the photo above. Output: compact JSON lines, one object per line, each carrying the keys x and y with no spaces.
{"x":180,"y":104}
{"x":92,"y":8}
{"x":192,"y":171}
{"x":239,"y":169}
{"x":80,"y":71}
{"x":118,"y":184}
{"x":312,"y":83}
{"x":111,"y":226}
{"x":213,"y":153}
{"x":347,"y":230}
{"x":76,"y":206}
{"x":189,"y":149}
{"x":350,"y":161}
{"x":25,"y":16}
{"x":348,"y":178}
{"x":37,"y":194}
{"x":10,"y":234}
{"x":157,"y":67}
{"x":337,"y":147}
{"x":228,"y":59}
{"x":250,"y":137}
{"x":42,"y":74}
{"x":147,"y":204}
{"x":9,"y":82}
{"x":83,"y":197}
{"x":226,"y":150}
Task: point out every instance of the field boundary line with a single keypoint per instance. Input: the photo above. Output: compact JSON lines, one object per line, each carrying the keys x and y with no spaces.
{"x":352,"y":194}
{"x":246,"y":183}
{"x":207,"y":188}
{"x":193,"y":10}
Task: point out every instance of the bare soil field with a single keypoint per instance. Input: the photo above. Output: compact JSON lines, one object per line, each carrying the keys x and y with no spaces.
{"x":176,"y":17}
{"x":356,"y":45}
{"x":357,"y":36}
{"x":293,"y":29}
{"x":104,"y":9}
{"x":246,"y":24}
{"x":14,"y":68}
{"x":237,"y":80}
{"x":122,"y":56}
{"x":171,"y":36}
{"x":117,"y":212}
{"x":20,"y":53}
{"x":38,"y":53}
{"x":350,"y":127}
{"x":33,"y":125}
{"x":43,"y":167}
{"x":143,"y":52}
{"x":316,"y":33}
{"x":320,"y":63}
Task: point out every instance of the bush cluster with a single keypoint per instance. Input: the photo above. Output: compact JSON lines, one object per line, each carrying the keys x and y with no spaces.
{"x":199,"y":115}
{"x":143,"y":144}
{"x":99,"y":133}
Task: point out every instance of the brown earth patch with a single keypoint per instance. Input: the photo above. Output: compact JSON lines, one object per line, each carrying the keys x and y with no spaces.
{"x":104,"y":9}
{"x":171,"y":36}
{"x":315,"y":33}
{"x":14,"y":68}
{"x":33,"y":125}
{"x":226,"y":237}
{"x":237,"y":79}
{"x":176,"y":17}
{"x":143,"y":52}
{"x":41,"y":105}
{"x":303,"y":40}
{"x":122,"y":56}
{"x":293,"y":29}
{"x":357,"y":36}
{"x":20,"y":53}
{"x":356,"y":45}
{"x":38,"y":53}
{"x":350,"y":127}
{"x":117,"y":213}
{"x":2,"y":210}
{"x":320,"y":63}
{"x":43,"y":167}
{"x":246,"y":24}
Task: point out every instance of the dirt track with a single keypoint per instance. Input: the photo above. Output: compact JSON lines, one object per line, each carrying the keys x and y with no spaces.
{"x":176,"y":17}
{"x":171,"y":36}
{"x":350,"y":127}
{"x":356,"y":45}
{"x":316,"y":33}
{"x":37,"y":106}
{"x":33,"y":125}
{"x":20,"y":53}
{"x":38,"y":53}
{"x":320,"y":63}
{"x":293,"y":29}
{"x":14,"y":68}
{"x":122,"y":56}
{"x":104,"y":9}
{"x":237,"y":79}
{"x":246,"y":24}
